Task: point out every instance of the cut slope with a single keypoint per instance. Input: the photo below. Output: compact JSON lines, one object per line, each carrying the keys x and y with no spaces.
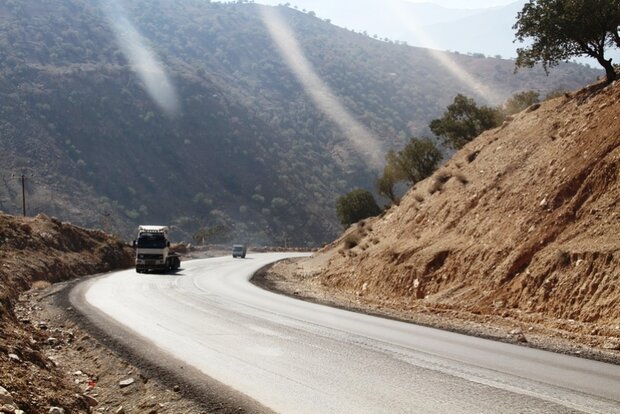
{"x":44,"y":250}
{"x":523,"y":221}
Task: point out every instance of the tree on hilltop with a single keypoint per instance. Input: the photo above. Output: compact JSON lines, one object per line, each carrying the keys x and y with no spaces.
{"x":563,"y":29}
{"x":463,"y":121}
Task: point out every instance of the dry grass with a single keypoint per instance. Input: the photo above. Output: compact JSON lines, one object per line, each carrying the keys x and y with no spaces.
{"x":353,"y":239}
{"x":462,"y":178}
{"x":41,"y":284}
{"x":435,"y":187}
{"x":443,"y":177}
{"x":472,"y":156}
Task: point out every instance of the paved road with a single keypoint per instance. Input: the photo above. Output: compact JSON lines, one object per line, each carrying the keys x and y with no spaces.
{"x":297,"y":357}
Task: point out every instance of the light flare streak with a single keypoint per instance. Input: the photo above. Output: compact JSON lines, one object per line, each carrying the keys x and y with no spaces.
{"x":361,"y":139}
{"x":443,"y":58}
{"x":142,"y":59}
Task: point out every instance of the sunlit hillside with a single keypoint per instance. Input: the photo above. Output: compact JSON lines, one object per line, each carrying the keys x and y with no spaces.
{"x":239,"y":137}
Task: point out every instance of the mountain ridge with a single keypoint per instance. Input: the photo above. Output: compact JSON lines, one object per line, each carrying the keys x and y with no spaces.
{"x":249,"y":149}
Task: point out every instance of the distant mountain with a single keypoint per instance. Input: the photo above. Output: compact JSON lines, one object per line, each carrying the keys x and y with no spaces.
{"x":488,"y":31}
{"x":233,"y":137}
{"x":485,"y":31}
{"x":395,"y":19}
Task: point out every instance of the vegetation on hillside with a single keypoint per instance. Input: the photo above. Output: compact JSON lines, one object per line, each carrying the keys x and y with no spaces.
{"x":356,"y":205}
{"x":416,"y":161}
{"x":462,"y":121}
{"x":248,"y":150}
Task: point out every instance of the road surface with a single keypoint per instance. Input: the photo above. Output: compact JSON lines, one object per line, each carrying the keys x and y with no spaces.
{"x":296,"y":357}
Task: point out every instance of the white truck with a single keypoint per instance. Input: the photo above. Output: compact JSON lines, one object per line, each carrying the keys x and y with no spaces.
{"x":153,"y":250}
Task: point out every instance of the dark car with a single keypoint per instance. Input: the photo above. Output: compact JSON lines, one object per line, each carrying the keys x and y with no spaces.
{"x":239,"y":250}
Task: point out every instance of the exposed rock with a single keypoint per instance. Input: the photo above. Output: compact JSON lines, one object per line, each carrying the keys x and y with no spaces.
{"x":120,"y":410}
{"x":612,"y":344}
{"x":517,"y":336}
{"x":126,"y":383}
{"x":8,"y":408}
{"x":14,"y":357}
{"x":56,"y":410}
{"x":91,"y":401}
{"x":5,"y":396}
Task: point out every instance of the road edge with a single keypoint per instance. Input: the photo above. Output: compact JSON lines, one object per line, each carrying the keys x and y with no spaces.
{"x":152,"y":361}
{"x":260,"y":280}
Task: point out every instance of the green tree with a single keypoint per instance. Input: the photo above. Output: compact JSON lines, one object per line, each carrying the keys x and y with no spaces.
{"x":392,"y":174}
{"x":413,"y":163}
{"x":355,"y":206}
{"x":418,"y":159}
{"x":520,"y":101}
{"x":563,"y":29}
{"x":464,"y":120}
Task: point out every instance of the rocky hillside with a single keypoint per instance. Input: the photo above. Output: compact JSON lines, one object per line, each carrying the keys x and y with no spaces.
{"x":39,"y":251}
{"x":523,"y":222}
{"x":245,"y":146}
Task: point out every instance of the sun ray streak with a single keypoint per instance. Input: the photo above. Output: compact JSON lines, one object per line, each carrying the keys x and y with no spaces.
{"x":142,"y":58}
{"x":443,"y":58}
{"x":361,"y":139}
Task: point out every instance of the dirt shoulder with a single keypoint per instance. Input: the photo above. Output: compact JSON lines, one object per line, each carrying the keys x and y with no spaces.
{"x":300,"y":278}
{"x":118,"y":373}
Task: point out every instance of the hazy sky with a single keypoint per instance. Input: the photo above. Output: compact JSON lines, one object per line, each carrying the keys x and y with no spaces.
{"x":457,"y":4}
{"x":466,"y":4}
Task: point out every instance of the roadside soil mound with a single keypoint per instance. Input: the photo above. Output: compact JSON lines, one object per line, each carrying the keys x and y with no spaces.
{"x":522,"y":223}
{"x":37,"y":252}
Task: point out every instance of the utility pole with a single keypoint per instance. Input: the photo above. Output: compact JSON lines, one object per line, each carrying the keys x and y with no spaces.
{"x":22,"y":178}
{"x":24,"y":194}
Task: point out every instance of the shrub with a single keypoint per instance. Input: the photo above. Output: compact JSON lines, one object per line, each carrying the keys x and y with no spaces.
{"x":355,"y":206}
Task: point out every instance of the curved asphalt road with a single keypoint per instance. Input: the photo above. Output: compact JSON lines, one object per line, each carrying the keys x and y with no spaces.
{"x":297,"y":357}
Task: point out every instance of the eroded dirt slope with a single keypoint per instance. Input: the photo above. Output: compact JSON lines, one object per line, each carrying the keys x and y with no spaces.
{"x":522,"y":223}
{"x":40,"y":251}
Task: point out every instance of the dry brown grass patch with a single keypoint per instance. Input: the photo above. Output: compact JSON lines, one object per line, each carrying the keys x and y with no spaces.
{"x":41,"y":284}
{"x":462,"y":178}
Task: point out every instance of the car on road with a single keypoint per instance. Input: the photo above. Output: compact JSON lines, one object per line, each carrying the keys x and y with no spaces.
{"x":239,"y":250}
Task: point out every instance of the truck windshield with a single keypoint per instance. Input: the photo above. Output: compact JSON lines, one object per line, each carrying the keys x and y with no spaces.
{"x":151,"y":241}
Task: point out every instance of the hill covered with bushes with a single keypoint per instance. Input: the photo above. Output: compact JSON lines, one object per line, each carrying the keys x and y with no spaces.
{"x":246,"y":148}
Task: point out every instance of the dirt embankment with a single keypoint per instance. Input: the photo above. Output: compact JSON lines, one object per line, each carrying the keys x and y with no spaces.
{"x":54,"y":360}
{"x":39,"y":251}
{"x":520,"y":228}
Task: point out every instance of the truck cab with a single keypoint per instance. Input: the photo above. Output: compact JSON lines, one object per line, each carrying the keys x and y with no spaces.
{"x":153,"y":250}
